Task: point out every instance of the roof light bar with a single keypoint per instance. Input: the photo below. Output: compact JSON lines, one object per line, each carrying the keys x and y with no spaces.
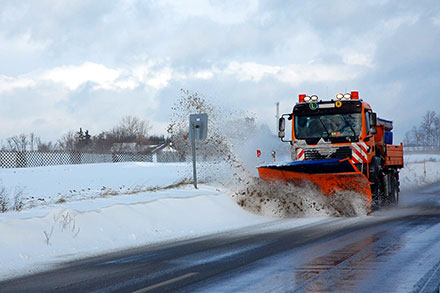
{"x":355,"y":95}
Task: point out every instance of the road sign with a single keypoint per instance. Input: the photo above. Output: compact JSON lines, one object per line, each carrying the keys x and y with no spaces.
{"x":198,"y":130}
{"x":198,"y":126}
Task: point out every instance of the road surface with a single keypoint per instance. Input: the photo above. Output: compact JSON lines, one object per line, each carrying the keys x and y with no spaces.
{"x":389,"y":251}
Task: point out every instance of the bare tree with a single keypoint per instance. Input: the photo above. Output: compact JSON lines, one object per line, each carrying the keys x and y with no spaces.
{"x":131,"y":129}
{"x":32,"y":141}
{"x":22,"y":142}
{"x":68,"y":141}
{"x":18,"y":143}
{"x":46,"y":146}
{"x":409,"y":139}
{"x":427,"y":133}
{"x":427,"y":127}
{"x":437,"y":131}
{"x":103,"y":142}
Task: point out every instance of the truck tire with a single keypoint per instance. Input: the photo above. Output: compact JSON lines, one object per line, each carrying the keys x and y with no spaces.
{"x":377,"y":188}
{"x":394,"y":195}
{"x":375,"y":168}
{"x":378,"y":194}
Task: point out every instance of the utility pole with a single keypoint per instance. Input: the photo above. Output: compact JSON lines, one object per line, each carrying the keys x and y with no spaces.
{"x":277,"y":105}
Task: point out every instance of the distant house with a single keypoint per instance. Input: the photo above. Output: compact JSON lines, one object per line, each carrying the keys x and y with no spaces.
{"x":165,"y":153}
{"x":160,"y":152}
{"x":164,"y":147}
{"x":131,"y":147}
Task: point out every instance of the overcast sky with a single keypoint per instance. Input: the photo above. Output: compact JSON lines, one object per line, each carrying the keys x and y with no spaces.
{"x":71,"y":64}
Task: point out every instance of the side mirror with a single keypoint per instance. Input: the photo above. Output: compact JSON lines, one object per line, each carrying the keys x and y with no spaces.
{"x":373,"y":119}
{"x":281,"y":127}
{"x":373,"y":130}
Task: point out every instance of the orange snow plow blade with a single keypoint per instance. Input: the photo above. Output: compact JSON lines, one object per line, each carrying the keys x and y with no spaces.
{"x":329,"y":175}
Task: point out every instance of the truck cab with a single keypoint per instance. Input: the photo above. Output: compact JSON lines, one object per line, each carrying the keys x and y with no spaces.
{"x":346,"y":128}
{"x":339,"y":128}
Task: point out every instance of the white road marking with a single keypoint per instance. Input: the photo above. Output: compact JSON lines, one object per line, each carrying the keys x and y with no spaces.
{"x":146,"y":289}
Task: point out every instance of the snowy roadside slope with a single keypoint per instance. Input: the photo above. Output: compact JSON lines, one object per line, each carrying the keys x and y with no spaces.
{"x":106,"y":207}
{"x":34,"y":243}
{"x":51,"y":184}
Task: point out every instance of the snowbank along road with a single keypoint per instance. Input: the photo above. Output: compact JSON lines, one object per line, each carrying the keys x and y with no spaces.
{"x":390,"y":251}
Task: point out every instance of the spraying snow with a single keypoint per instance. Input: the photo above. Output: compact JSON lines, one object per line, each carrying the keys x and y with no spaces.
{"x":289,"y":200}
{"x":230,"y":159}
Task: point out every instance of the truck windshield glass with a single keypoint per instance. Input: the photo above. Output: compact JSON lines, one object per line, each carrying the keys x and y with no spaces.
{"x":328,"y":126}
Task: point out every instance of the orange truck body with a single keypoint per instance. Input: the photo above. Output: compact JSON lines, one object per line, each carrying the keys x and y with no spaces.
{"x":365,"y":162}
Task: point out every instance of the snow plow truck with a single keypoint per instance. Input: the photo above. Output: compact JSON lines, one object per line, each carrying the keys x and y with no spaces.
{"x":340,"y":144}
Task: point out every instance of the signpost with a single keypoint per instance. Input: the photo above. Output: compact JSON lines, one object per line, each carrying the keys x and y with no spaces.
{"x":198,"y":129}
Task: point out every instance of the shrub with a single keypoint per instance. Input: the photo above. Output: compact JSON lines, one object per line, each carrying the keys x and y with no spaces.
{"x":4,"y":201}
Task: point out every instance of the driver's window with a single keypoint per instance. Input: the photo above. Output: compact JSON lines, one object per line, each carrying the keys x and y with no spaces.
{"x":367,"y":120}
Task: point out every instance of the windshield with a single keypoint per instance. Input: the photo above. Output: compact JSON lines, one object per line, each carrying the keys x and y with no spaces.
{"x":328,"y":126}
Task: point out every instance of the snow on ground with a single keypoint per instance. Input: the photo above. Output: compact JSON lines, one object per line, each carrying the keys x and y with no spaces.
{"x":108,"y":207}
{"x":413,"y":174}
{"x":70,"y":212}
{"x":421,"y":157}
{"x":47,"y":185}
{"x":73,"y":230}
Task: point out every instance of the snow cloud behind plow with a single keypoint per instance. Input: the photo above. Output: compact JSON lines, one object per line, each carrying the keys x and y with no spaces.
{"x":230,"y":158}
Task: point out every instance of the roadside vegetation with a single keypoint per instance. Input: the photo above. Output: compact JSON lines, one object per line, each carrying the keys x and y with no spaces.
{"x":11,"y":200}
{"x":426,"y":134}
{"x":129,"y":131}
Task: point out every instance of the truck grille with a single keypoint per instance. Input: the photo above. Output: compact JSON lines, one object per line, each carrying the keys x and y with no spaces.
{"x":338,"y":153}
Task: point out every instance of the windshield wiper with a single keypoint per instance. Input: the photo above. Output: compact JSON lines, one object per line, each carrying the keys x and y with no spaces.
{"x":328,"y":133}
{"x":352,"y":129}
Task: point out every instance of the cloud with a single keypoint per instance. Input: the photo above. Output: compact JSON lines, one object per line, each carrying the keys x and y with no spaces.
{"x":73,"y":76}
{"x":356,"y":58}
{"x":66,"y":63}
{"x":249,"y":70}
{"x":107,"y":78}
{"x":160,"y":79}
{"x":436,"y":20}
{"x":294,"y":74}
{"x":222,"y":12}
{"x":12,"y":83}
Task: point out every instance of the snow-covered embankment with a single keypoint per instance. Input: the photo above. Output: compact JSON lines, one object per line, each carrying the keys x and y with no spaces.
{"x":77,"y":211}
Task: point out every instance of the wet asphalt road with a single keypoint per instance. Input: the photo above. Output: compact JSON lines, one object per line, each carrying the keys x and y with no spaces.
{"x":389,"y":251}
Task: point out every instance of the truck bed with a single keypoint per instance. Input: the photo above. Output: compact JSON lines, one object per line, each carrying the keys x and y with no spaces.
{"x":394,"y":156}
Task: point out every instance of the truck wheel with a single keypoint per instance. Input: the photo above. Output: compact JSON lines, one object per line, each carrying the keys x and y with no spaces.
{"x":377,"y":189}
{"x":394,"y":196}
{"x":378,"y":195}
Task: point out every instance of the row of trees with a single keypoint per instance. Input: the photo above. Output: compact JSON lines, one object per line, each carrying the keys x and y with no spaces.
{"x":130,"y":130}
{"x":427,"y":133}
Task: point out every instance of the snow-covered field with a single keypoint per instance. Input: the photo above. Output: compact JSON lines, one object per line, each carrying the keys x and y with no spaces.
{"x":69,"y":212}
{"x":413,"y":175}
